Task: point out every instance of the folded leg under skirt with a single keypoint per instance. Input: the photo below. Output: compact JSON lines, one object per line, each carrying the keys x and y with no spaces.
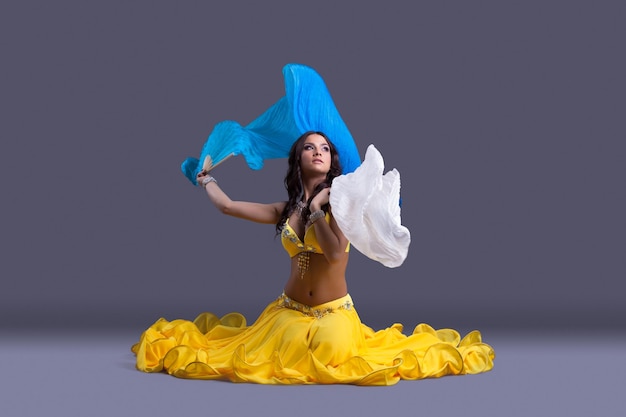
{"x":292,"y":343}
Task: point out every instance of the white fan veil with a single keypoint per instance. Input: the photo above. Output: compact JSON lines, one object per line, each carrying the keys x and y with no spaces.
{"x":365,"y":204}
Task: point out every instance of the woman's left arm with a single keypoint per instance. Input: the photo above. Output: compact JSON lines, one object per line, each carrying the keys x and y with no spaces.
{"x":329,"y":236}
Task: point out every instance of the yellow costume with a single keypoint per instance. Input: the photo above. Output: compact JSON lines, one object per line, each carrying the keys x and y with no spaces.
{"x":292,"y":343}
{"x":294,"y":246}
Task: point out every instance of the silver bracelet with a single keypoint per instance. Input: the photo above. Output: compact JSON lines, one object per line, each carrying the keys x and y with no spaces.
{"x":318,"y":214}
{"x":207,"y":180}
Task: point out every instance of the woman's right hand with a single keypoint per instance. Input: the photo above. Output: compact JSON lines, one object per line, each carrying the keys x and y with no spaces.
{"x":201,"y":175}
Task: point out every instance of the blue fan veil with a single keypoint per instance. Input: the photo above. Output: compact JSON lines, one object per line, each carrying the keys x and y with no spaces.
{"x":306,"y":105}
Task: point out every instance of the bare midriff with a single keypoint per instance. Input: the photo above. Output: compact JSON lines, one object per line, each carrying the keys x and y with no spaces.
{"x":321,"y":282}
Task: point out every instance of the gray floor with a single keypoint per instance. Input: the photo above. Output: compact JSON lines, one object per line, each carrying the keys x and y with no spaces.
{"x":82,"y":374}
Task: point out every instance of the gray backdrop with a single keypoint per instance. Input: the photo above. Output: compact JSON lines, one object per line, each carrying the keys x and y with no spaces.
{"x":505,"y":120}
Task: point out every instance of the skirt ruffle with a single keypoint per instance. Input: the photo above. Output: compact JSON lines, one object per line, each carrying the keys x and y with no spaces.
{"x":326,"y":344}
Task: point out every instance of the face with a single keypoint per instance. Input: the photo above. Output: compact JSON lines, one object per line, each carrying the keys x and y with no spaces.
{"x":316,"y":156}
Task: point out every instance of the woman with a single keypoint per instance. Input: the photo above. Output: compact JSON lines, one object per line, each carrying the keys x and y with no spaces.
{"x":311,"y":333}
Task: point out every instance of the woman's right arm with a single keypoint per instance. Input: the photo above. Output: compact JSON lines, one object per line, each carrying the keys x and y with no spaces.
{"x":256,"y":212}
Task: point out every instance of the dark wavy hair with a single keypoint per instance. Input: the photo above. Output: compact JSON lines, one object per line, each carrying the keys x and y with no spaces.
{"x":293,"y":178}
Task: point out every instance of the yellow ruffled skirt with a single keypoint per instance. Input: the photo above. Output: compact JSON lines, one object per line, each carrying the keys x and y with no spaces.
{"x":291,"y":343}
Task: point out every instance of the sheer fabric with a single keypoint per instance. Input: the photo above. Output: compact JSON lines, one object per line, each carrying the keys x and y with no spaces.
{"x":366,"y":206}
{"x":306,"y":105}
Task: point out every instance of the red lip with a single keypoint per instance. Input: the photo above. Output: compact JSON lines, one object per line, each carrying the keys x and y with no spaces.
{"x":318,"y":160}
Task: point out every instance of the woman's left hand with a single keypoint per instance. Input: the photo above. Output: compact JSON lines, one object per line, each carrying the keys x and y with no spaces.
{"x":320,"y":199}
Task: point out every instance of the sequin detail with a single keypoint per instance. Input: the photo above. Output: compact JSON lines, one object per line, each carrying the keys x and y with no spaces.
{"x":318,"y":311}
{"x":289,"y":235}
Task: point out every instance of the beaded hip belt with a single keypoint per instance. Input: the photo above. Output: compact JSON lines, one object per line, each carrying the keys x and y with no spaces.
{"x":343,"y":303}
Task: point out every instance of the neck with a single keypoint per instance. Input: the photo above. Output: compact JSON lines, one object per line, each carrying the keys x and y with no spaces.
{"x":310,"y":183}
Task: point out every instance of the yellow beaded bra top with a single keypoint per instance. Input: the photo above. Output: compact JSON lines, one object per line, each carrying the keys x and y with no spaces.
{"x":293,"y":245}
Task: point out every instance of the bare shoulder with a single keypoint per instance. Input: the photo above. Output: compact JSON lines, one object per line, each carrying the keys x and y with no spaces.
{"x":278,"y":207}
{"x":277,"y":210}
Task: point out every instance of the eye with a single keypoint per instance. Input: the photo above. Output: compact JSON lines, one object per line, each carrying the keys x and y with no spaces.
{"x":308,"y":147}
{"x":326,"y":148}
